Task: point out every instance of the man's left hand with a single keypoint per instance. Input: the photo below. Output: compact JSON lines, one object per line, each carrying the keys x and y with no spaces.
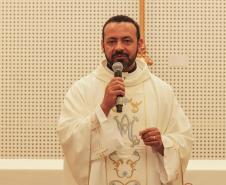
{"x":152,"y":137}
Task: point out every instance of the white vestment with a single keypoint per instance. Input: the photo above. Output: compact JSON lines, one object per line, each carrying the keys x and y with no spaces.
{"x":102,"y":150}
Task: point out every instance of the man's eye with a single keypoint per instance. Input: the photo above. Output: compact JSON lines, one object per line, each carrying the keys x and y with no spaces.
{"x":127,"y":41}
{"x":111,"y":41}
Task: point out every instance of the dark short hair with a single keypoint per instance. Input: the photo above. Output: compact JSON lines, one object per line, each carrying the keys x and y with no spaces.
{"x":122,"y":18}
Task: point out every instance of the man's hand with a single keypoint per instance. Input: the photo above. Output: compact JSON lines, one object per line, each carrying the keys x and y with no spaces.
{"x":152,"y":137}
{"x":114,"y":88}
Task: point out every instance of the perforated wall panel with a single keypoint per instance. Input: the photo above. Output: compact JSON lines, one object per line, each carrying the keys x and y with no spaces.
{"x":47,"y":44}
{"x":187,"y":41}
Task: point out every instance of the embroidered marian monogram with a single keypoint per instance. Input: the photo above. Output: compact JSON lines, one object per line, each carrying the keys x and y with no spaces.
{"x":125,"y":126}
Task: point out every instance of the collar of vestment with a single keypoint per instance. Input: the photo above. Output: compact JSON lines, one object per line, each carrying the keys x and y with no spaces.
{"x":140,"y":75}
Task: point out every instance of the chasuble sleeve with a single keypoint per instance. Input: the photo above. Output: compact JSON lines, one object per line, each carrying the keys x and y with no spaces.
{"x":177,"y":141}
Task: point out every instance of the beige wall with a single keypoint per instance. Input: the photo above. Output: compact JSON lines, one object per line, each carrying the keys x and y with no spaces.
{"x":47,"y":44}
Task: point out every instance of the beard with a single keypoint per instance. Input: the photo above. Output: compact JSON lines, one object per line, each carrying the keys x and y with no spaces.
{"x":126,"y":61}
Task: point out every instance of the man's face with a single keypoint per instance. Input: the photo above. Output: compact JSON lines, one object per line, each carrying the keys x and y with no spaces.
{"x":120,"y":44}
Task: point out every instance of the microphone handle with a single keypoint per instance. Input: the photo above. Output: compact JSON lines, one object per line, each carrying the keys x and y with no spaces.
{"x":119,"y":100}
{"x":118,"y":73}
{"x":119,"y":103}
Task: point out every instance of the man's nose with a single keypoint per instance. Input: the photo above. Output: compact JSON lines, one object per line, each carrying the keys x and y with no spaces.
{"x":119,"y":46}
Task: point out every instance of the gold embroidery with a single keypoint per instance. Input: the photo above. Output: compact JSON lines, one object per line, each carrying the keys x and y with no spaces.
{"x":124,"y":167}
{"x":96,"y":130}
{"x":131,"y":182}
{"x":114,"y":109}
{"x":103,"y":153}
{"x":134,"y":105}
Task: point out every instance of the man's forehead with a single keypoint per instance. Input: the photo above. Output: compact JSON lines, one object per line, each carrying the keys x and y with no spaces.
{"x":120,"y":28}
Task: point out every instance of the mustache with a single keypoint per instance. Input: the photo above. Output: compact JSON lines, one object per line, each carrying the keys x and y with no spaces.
{"x":121,"y":53}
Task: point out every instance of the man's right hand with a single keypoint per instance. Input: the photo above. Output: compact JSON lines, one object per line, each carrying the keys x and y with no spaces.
{"x":114,"y":88}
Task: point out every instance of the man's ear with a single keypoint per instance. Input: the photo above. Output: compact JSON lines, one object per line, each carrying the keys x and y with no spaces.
{"x":140,"y":43}
{"x":102,"y":45}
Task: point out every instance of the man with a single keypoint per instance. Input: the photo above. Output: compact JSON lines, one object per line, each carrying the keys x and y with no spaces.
{"x":148,"y":143}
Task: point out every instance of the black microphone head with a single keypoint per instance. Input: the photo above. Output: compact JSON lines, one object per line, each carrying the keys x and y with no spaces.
{"x":117,"y":66}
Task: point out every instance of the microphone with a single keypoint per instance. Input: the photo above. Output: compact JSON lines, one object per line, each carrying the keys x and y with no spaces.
{"x":117,"y":67}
